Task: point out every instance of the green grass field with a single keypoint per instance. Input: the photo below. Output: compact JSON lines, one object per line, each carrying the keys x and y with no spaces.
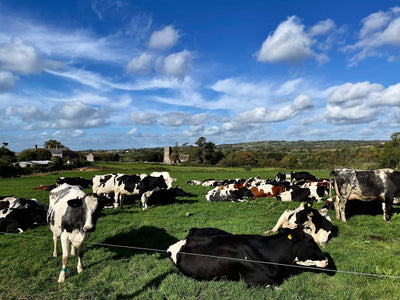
{"x":115,"y":269}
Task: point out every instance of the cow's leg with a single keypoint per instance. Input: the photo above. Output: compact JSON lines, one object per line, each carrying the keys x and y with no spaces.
{"x":80,"y":251}
{"x":116,"y":200}
{"x":342,"y":208}
{"x":65,"y":257}
{"x":282,"y":222}
{"x":72,"y":250}
{"x":145,"y":196}
{"x":337,"y":206}
{"x":387,"y":208}
{"x":55,"y":254}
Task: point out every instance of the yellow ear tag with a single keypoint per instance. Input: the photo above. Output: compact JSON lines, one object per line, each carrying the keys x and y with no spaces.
{"x":289,"y":236}
{"x":308,"y":204}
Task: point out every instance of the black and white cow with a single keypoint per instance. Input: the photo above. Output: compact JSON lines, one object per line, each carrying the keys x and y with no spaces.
{"x":72,"y":216}
{"x":299,"y":194}
{"x":301,"y":177}
{"x":365,"y":185}
{"x":193,"y":182}
{"x":18,"y":214}
{"x":165,"y":196}
{"x":83,"y":182}
{"x":316,"y":223}
{"x":210,"y":253}
{"x":229,"y":193}
{"x":138,"y":185}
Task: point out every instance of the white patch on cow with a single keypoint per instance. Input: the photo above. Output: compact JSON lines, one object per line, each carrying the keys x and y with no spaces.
{"x":309,"y":262}
{"x":174,"y":249}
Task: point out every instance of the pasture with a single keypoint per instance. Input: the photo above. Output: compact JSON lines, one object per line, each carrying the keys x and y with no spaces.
{"x":126,"y":256}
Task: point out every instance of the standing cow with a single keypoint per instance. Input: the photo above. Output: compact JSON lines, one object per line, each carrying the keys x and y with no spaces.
{"x":72,"y":216}
{"x":365,"y":185}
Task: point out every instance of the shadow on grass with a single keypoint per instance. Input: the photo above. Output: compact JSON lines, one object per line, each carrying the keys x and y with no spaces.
{"x":146,"y":239}
{"x":372,"y":208}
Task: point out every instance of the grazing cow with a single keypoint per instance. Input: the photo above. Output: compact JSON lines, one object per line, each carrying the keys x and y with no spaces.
{"x":18,"y":214}
{"x":365,"y":185}
{"x":143,"y":185}
{"x":316,"y":223}
{"x":72,"y":216}
{"x":104,"y":184}
{"x":165,"y":196}
{"x":168,"y":179}
{"x":210,"y":253}
{"x":193,"y":182}
{"x":301,"y":177}
{"x":85,"y":183}
{"x":230,"y":193}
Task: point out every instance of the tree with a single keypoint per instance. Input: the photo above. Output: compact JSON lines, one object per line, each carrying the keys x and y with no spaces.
{"x":389,"y":156}
{"x":53,"y":144}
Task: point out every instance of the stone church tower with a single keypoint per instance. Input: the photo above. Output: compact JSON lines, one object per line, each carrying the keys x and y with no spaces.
{"x":167,"y":154}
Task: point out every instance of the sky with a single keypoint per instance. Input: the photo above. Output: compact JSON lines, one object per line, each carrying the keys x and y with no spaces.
{"x":122,"y":74}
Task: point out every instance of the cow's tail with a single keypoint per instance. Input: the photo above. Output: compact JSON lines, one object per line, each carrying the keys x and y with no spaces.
{"x":331,"y":178}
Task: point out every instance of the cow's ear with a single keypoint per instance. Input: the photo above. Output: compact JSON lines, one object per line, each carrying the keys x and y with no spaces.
{"x":323,"y":211}
{"x":75,"y":202}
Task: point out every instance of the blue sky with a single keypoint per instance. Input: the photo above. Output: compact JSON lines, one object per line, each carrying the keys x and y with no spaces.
{"x":130,"y":74}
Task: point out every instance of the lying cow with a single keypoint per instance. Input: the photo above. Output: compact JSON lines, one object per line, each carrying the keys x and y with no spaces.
{"x":316,"y":223}
{"x":72,"y":216}
{"x":210,"y":253}
{"x":229,"y":193}
{"x":18,"y":214}
{"x":165,"y":196}
{"x":85,"y":183}
{"x":298,"y":194}
{"x":365,"y":185}
{"x":301,"y":177}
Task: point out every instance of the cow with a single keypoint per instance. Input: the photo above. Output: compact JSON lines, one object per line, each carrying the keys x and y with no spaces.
{"x":299,"y":194}
{"x":230,"y":193}
{"x":266,"y":190}
{"x":72,"y":216}
{"x":85,"y":183}
{"x":316,"y":223}
{"x":280,"y":176}
{"x":165,"y":196}
{"x":104,"y":185}
{"x":18,"y":214}
{"x":301,"y":177}
{"x":138,"y":185}
{"x":365,"y":185}
{"x":168,"y":179}
{"x":211,"y":253}
{"x":193,"y":182}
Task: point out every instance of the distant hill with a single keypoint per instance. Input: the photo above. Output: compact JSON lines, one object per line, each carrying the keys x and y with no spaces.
{"x":300,"y":145}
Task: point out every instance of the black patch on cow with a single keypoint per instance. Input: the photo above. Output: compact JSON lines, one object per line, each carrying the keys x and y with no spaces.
{"x":4,"y":204}
{"x":149,"y":183}
{"x":74,"y":217}
{"x":130,"y":182}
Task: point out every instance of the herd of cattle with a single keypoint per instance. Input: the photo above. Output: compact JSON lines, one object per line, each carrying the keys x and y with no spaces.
{"x":209,"y":253}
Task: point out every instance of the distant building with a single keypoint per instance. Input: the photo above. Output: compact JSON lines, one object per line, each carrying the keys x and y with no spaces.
{"x":167,"y":157}
{"x":26,"y":164}
{"x":56,"y":152}
{"x":102,"y":157}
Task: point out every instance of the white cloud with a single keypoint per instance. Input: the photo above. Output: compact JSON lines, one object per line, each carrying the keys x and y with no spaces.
{"x":289,"y":43}
{"x":133,"y":131}
{"x":144,"y":118}
{"x":142,"y":64}
{"x":164,"y":39}
{"x":350,"y":91}
{"x":7,"y":80}
{"x":177,"y":64}
{"x":322,"y":27}
{"x":20,"y":57}
{"x":379,"y":35}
